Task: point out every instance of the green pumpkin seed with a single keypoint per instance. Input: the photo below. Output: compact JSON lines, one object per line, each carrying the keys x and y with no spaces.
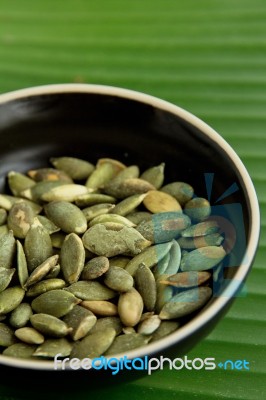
{"x":7,"y":202}
{"x":81,"y":321}
{"x":90,"y":290}
{"x":149,"y":325}
{"x":54,"y":272}
{"x":187,"y":279}
{"x":75,"y":221}
{"x":41,"y":271}
{"x":200,"y":229}
{"x":7,"y":250}
{"x":20,"y":218}
{"x":100,"y":307}
{"x":165,"y":328}
{"x":96,"y":210}
{"x":128,"y":187}
{"x":29,"y":335}
{"x":185,"y":303}
{"x":49,"y":174}
{"x":45,"y":286}
{"x":139,"y":216}
{"x":124,"y":343}
{"x":130,"y":307}
{"x":118,"y":279}
{"x":52,"y":347}
{"x":3,"y":216}
{"x":91,"y":199}
{"x":6,"y":275}
{"x":22,"y":267}
{"x":18,"y":182}
{"x":72,"y":258}
{"x":103,"y":241}
{"x":55,"y":302}
{"x":57,"y":239}
{"x":119,"y":261}
{"x":146,"y":286}
{"x":202,"y":259}
{"x":67,"y":192}
{"x":20,"y":316}
{"x":161,"y":266}
{"x":175,"y":259}
{"x":154,"y":175}
{"x":37,"y":246}
{"x":159,"y":202}
{"x":198,"y":209}
{"x":35,"y":192}
{"x":20,"y":350}
{"x":107,"y":322}
{"x":94,"y":344}
{"x":50,"y":325}
{"x":101,"y":175}
{"x":95,"y":268}
{"x":7,"y":337}
{"x":164,"y":294}
{"x":181,"y":191}
{"x":150,"y":257}
{"x":76,"y":168}
{"x":10,"y":298}
{"x":127,"y":205}
{"x":116,"y":164}
{"x":128,"y":173}
{"x":118,"y":219}
{"x":3,"y":230}
{"x":47,"y":224}
{"x":191,"y":243}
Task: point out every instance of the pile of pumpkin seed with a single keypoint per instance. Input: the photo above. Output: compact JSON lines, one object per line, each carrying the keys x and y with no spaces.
{"x":100,"y":259}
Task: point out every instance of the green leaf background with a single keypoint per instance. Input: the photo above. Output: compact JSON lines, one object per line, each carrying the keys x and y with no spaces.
{"x":208,"y":56}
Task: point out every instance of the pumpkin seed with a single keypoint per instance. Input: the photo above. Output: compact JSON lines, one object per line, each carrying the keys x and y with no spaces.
{"x":68,"y":192}
{"x":139,"y":216}
{"x":124,"y":343}
{"x":118,"y":279}
{"x":154,"y":175}
{"x":54,"y":272}
{"x":191,"y":243}
{"x":20,"y":316}
{"x":3,"y":230}
{"x":96,"y":210}
{"x":90,"y":290}
{"x":128,"y":187}
{"x":47,"y":224}
{"x":3,"y":216}
{"x":75,"y":221}
{"x":165,"y":328}
{"x":50,"y":325}
{"x":6,"y":275}
{"x":94,"y":344}
{"x":161,"y":266}
{"x":175,"y":259}
{"x":130,"y":307}
{"x":35,"y":192}
{"x":90,"y":199}
{"x":103,"y":241}
{"x":81,"y":321}
{"x":187,"y":279}
{"x":159,"y":202}
{"x":57,"y":239}
{"x":10,"y":298}
{"x":103,"y":173}
{"x":181,"y":191}
{"x":29,"y":335}
{"x":20,"y":218}
{"x":202,"y":259}
{"x":18,"y":182}
{"x":101,"y":219}
{"x":185,"y":303}
{"x":107,"y":322}
{"x":72,"y":258}
{"x":76,"y":168}
{"x":128,"y":329}
{"x":116,"y":164}
{"x":51,"y":347}
{"x":55,"y":302}
{"x":129,"y":172}
{"x":127,"y":205}
{"x":146,"y":286}
{"x":102,"y":308}
{"x":7,"y":250}
{"x":41,"y":271}
{"x":164,"y":294}
{"x":7,"y":337}
{"x":198,"y":209}
{"x":49,"y":174}
{"x":95,"y":268}
{"x":119,"y":261}
{"x":200,"y":229}
{"x":20,"y":350}
{"x":45,"y":286}
{"x":37,"y":246}
{"x":149,"y":325}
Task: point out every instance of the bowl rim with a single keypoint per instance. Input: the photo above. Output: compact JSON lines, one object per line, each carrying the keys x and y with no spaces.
{"x":208,"y":313}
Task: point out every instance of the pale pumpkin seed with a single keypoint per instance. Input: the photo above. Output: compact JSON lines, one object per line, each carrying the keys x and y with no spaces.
{"x":76,"y":168}
{"x":6,"y":275}
{"x":45,"y":286}
{"x":93,"y":345}
{"x":181,"y":191}
{"x":146,"y":286}
{"x":35,"y":192}
{"x":198,"y":209}
{"x":91,"y":199}
{"x":55,"y":302}
{"x":50,"y":325}
{"x":149,"y":325}
{"x":41,"y":271}
{"x":75,"y":221}
{"x":159,"y":202}
{"x":125,"y":343}
{"x":95,"y":268}
{"x":90,"y":290}
{"x":51,"y":347}
{"x":202,"y":259}
{"x":100,"y":307}
{"x":20,"y":316}
{"x":128,"y":329}
{"x":96,"y":210}
{"x":3,"y":230}
{"x":68,"y":192}
{"x":118,"y":219}
{"x":185,"y":303}
{"x":72,"y":258}
{"x":130,"y":307}
{"x":10,"y":298}
{"x":29,"y":335}
{"x":80,"y":320}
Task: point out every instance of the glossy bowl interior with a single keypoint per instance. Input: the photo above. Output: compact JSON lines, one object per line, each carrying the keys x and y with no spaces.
{"x":89,"y":122}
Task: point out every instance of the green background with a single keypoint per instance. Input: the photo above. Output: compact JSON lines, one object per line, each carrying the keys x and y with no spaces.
{"x":208,"y":56}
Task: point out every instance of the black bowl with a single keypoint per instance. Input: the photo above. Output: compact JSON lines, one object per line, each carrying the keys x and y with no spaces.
{"x":90,"y":122}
